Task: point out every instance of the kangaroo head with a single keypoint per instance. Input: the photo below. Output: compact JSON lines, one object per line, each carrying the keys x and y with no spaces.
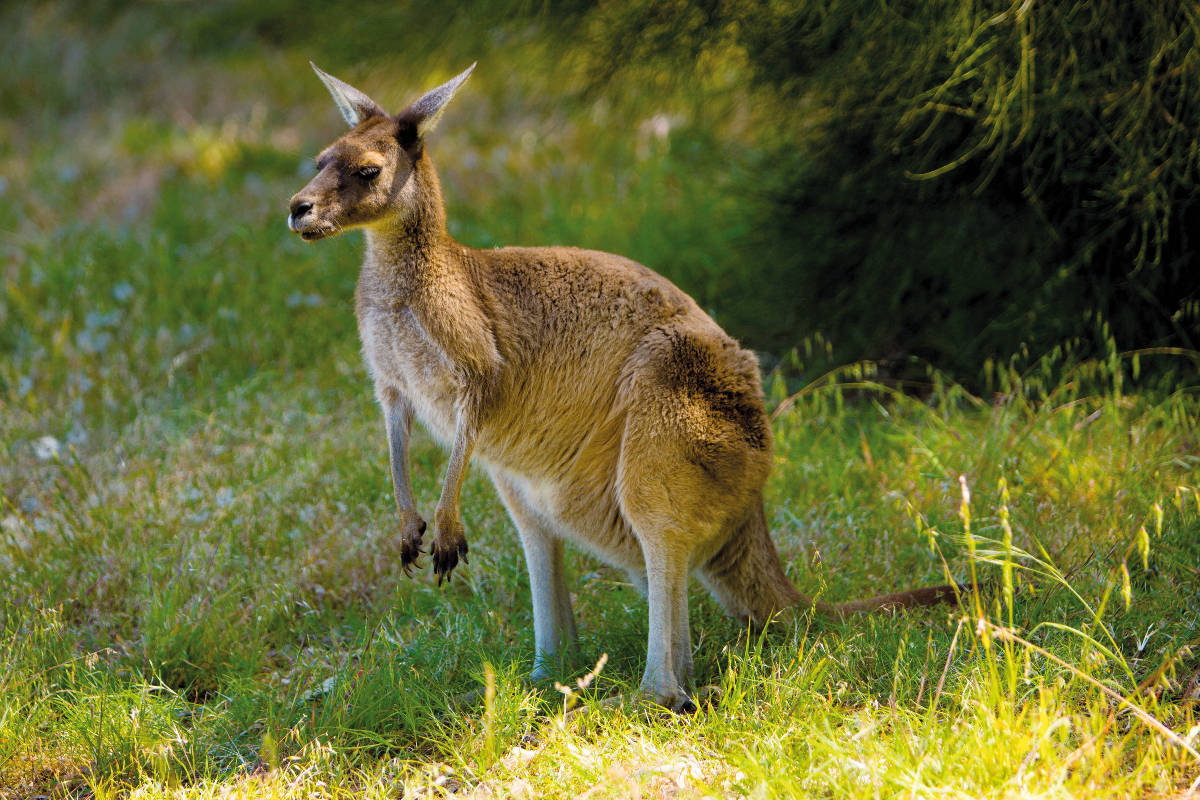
{"x":368,"y":176}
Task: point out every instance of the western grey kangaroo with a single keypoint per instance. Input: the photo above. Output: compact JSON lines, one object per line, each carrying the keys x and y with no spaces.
{"x":606,"y":406}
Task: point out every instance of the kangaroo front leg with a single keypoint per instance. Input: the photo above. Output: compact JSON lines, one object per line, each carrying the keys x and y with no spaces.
{"x":398,"y":415}
{"x":449,"y":536}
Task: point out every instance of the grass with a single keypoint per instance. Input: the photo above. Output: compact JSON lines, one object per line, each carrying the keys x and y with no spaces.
{"x":195,"y":515}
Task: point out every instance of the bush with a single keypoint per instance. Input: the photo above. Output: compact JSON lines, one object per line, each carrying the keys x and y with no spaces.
{"x":954,"y":180}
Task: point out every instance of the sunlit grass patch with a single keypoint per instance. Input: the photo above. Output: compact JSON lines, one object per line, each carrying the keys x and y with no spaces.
{"x":230,"y":611}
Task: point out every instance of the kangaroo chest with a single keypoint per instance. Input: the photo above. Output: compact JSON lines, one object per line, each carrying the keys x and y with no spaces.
{"x":400,"y":353}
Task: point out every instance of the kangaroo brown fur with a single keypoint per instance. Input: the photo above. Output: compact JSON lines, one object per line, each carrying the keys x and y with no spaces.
{"x":606,"y":406}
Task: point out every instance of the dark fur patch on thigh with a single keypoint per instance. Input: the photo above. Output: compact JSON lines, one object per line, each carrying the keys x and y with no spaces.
{"x":722,"y":376}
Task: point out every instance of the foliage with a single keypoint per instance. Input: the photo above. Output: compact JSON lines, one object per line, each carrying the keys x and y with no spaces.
{"x":954,"y":180}
{"x":937,"y":183}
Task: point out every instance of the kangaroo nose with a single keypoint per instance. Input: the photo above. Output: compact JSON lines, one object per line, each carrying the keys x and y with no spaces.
{"x":300,"y":208}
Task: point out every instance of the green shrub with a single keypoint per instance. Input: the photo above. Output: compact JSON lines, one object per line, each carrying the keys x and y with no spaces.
{"x":953,"y":180}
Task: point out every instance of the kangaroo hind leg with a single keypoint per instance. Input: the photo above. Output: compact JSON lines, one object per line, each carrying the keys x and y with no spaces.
{"x":694,"y":457}
{"x":676,"y":512}
{"x":553,"y":619}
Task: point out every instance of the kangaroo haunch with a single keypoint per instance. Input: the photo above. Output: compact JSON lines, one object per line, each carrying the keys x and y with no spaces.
{"x":607,"y":407}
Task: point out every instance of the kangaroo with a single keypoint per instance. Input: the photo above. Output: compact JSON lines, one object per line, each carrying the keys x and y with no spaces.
{"x":608,"y":409}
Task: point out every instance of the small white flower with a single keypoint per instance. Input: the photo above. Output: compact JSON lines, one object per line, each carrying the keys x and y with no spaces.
{"x":47,"y":448}
{"x":92,"y":342}
{"x":224,"y":497}
{"x":97,"y":319}
{"x":296,"y":299}
{"x":122,"y":291}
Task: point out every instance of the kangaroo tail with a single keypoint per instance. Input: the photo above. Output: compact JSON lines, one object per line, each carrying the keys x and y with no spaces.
{"x":913,"y":598}
{"x":747,"y":578}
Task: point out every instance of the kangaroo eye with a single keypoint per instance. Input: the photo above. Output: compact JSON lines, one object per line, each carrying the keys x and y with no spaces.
{"x":368,"y":173}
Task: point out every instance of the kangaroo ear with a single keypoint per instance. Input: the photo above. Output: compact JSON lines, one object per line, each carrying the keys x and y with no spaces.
{"x":354,"y":105}
{"x":427,"y":109}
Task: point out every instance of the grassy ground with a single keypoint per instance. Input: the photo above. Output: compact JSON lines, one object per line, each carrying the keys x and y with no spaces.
{"x":195,"y":531}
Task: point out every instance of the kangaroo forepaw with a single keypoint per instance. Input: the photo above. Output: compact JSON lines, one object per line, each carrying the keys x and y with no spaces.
{"x":410,"y":544}
{"x":446,"y":557}
{"x":449,"y":545}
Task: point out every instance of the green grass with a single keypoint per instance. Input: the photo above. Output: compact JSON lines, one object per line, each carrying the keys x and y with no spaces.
{"x":201,"y":597}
